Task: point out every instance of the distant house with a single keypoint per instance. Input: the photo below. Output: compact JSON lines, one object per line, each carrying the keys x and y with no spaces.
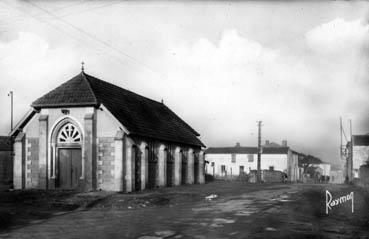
{"x":6,"y":161}
{"x":323,"y":168}
{"x":227,"y":162}
{"x":336,"y":177}
{"x":88,"y":134}
{"x":360,"y":155}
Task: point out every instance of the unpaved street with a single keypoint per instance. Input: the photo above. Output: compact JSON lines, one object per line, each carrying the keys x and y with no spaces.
{"x":232,"y":210}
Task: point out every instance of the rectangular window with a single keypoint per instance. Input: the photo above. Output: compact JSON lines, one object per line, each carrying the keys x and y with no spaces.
{"x":250,"y":157}
{"x":233,"y":158}
{"x":271,"y":168}
{"x":212,"y":164}
{"x":223,"y":168}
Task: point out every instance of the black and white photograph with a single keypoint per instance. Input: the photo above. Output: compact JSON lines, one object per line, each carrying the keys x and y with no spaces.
{"x":184,"y":119}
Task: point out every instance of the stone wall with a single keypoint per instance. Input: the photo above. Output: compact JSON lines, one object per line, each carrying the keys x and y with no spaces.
{"x":272,"y":176}
{"x":105,"y":163}
{"x":32,"y":166}
{"x":267,"y":176}
{"x":6,"y":167}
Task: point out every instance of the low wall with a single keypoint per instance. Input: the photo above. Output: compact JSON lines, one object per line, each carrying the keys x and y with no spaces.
{"x":267,"y":176}
{"x":6,"y":168}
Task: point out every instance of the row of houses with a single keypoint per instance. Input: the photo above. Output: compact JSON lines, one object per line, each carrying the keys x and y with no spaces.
{"x":230,"y":162}
{"x":278,"y":159}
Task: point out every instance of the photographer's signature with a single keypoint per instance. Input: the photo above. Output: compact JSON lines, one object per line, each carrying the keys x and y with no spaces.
{"x":330,"y":202}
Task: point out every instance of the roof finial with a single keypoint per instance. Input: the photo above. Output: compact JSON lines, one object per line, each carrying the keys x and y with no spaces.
{"x":162,"y":101}
{"x":83,"y":66}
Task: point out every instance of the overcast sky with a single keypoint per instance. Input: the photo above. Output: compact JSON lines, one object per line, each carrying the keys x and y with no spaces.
{"x":221,"y":66}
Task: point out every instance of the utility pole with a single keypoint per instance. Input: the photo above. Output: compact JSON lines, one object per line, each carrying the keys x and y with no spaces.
{"x":352,"y":153}
{"x":344,"y":155}
{"x":341,"y":146}
{"x":258,"y":177}
{"x":11,"y":110}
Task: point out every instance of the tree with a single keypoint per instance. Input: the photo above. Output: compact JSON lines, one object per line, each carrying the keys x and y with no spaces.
{"x":307,"y":162}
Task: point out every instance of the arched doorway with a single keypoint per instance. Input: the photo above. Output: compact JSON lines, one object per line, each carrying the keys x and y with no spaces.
{"x":137,"y":161}
{"x":184,"y":168}
{"x":68,"y":163}
{"x":196,"y":167}
{"x":153,"y":167}
{"x":170,"y":167}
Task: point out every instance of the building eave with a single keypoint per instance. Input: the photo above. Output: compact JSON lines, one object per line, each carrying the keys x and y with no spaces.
{"x":25,"y":119}
{"x":84,"y":104}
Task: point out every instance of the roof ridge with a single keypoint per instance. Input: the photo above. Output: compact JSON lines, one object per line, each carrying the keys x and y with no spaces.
{"x":139,"y":114}
{"x":89,"y":87}
{"x":131,"y":92}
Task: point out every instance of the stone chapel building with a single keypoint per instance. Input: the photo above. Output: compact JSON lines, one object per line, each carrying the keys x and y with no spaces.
{"x":88,"y":134}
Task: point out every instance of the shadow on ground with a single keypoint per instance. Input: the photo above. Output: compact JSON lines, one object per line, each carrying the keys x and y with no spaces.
{"x":19,"y":208}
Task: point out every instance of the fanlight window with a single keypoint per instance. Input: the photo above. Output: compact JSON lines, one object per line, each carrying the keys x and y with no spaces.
{"x":69,"y":134}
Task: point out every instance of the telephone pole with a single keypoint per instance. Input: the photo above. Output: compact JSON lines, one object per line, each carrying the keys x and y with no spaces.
{"x":341,"y":145}
{"x":258,"y":177}
{"x":343,"y":154}
{"x":351,"y":154}
{"x":11,"y":110}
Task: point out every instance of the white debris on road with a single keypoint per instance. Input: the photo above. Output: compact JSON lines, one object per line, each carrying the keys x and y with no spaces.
{"x":165,"y":234}
{"x":271,"y":229}
{"x":211,"y":197}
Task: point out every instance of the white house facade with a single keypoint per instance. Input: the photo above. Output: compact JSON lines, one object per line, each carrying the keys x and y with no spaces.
{"x":235,"y":161}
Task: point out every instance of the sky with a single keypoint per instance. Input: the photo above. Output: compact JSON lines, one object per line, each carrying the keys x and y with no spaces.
{"x":220,"y":65}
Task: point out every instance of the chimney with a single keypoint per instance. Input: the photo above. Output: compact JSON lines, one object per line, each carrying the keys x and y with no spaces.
{"x":284,"y":143}
{"x":238,"y":145}
{"x":266,"y":142}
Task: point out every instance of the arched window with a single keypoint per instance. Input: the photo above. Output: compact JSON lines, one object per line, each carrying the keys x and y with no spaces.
{"x":69,"y":134}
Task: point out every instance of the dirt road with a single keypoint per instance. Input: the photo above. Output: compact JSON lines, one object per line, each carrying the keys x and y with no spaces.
{"x":214,"y":210}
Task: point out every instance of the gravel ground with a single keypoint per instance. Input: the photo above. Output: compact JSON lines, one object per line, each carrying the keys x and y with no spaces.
{"x":215,"y":210}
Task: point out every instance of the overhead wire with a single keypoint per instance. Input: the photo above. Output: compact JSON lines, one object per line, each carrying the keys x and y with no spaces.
{"x":60,"y":30}
{"x":93,"y":37}
{"x":90,"y":9}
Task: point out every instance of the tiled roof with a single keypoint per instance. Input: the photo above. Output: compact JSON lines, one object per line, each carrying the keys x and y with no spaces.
{"x":75,"y":92}
{"x":246,"y":150}
{"x":272,"y":144}
{"x":361,"y":140}
{"x":140,"y":115}
{"x":298,"y":153}
{"x":277,"y":150}
{"x":6,"y":143}
{"x":232,"y":150}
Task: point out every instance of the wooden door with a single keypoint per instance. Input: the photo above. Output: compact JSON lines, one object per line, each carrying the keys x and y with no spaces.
{"x":76,"y":166}
{"x":70,"y":161}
